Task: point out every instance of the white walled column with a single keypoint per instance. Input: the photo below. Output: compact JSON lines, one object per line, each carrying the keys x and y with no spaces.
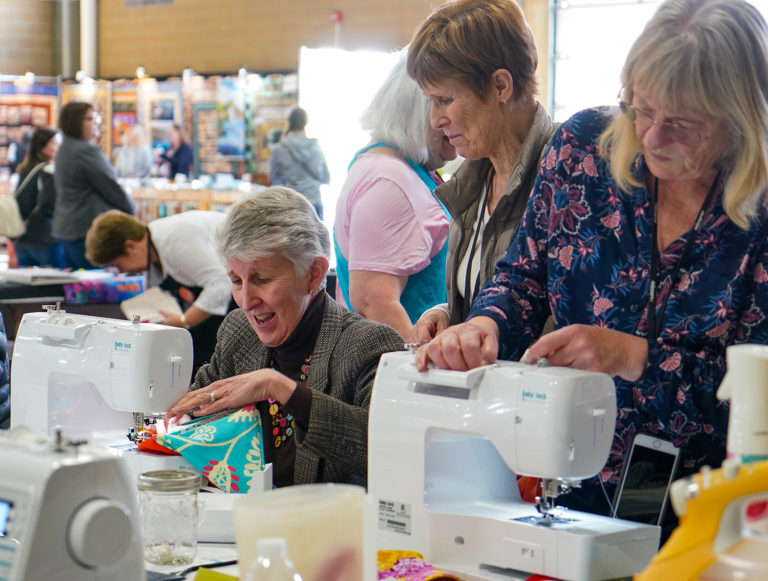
{"x":89,"y":47}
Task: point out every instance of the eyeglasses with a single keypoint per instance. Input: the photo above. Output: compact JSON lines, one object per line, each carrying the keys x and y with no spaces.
{"x":679,"y":133}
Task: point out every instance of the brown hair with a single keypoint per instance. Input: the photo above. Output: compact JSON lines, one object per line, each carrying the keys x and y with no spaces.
{"x":297,"y":119}
{"x":71,"y":118}
{"x":467,"y":40}
{"x":105,"y":239}
{"x":37,"y":143}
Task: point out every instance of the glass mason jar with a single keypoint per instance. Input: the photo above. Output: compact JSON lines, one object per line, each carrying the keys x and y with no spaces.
{"x":168,"y":502}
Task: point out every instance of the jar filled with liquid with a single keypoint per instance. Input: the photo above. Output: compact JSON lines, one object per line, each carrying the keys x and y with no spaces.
{"x":168,"y":502}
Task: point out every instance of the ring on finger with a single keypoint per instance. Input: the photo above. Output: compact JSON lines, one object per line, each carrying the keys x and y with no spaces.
{"x":212,"y":396}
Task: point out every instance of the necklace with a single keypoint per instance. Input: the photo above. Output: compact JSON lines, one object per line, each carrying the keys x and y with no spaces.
{"x":283,"y":423}
{"x":656,"y":319}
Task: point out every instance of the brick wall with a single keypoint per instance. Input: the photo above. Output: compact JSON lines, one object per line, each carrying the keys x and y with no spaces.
{"x":27,"y":33}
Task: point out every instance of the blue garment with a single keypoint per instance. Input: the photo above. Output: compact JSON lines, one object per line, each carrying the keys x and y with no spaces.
{"x":180,"y":160}
{"x":425,"y":288}
{"x":74,"y":254}
{"x":583,"y":251}
{"x":49,"y":256}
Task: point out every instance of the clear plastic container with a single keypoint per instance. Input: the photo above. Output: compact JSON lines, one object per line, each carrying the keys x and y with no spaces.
{"x":169,"y":515}
{"x":272,"y":562}
{"x":317,"y":521}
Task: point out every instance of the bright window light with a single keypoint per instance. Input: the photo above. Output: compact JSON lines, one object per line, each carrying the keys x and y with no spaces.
{"x":592,"y":39}
{"x":334,"y":87}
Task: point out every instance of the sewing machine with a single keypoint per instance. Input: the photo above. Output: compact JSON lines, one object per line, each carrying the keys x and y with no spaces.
{"x":723,"y":513}
{"x":444,"y":451}
{"x":98,"y":379}
{"x":67,"y":511}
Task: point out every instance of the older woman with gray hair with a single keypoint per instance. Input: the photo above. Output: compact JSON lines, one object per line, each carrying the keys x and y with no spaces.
{"x":390,"y":231}
{"x":305,"y":361}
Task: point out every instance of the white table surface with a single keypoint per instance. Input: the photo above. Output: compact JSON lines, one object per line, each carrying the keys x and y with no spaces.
{"x":207,"y":553}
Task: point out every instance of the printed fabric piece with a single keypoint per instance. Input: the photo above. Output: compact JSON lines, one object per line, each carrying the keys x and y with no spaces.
{"x":227,"y":450}
{"x":409,"y":566}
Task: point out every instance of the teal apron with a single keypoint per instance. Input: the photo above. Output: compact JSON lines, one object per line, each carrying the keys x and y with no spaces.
{"x":425,"y":288}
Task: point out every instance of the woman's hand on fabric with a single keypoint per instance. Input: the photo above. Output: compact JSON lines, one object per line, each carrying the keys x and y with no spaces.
{"x":233,"y":393}
{"x":430,"y":325}
{"x":593,"y":349}
{"x":462,"y":347}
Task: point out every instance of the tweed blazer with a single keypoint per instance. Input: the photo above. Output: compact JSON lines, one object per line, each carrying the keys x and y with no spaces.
{"x":334,"y":448}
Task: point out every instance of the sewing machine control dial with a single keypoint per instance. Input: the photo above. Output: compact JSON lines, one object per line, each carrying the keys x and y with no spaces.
{"x":99,"y":533}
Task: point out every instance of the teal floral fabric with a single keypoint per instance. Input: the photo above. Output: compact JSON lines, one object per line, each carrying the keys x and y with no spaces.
{"x":227,"y":450}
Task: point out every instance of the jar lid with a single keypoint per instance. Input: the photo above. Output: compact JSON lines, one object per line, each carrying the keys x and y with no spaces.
{"x":169,"y":481}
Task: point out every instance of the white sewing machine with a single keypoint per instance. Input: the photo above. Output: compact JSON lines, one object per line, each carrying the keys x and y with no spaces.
{"x":95,"y":379}
{"x":67,"y":512}
{"x":444,"y":448}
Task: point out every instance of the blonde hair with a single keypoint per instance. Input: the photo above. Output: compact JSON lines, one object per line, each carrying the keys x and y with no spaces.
{"x":711,"y":57}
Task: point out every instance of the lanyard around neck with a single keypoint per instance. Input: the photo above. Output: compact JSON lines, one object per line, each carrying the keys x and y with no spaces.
{"x":470,"y":291}
{"x":656,"y":320}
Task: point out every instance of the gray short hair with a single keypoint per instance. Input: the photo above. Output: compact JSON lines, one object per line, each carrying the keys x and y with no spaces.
{"x":276,"y":220}
{"x":398,"y":114}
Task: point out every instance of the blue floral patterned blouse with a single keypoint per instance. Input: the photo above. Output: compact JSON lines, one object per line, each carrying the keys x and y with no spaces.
{"x":584,"y":251}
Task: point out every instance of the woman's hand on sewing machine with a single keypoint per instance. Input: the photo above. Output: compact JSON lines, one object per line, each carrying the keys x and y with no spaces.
{"x":233,"y":393}
{"x":433,"y":322}
{"x":593,"y":349}
{"x":462,"y":347}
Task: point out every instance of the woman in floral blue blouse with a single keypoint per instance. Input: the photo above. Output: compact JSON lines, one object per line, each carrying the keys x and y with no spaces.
{"x":646,"y":237}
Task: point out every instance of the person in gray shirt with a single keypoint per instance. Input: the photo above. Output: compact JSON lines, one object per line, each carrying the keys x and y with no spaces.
{"x":298,"y":162}
{"x":85,"y":182}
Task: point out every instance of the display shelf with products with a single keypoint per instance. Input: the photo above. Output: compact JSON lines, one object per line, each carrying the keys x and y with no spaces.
{"x":154,"y":203}
{"x":26,"y":102}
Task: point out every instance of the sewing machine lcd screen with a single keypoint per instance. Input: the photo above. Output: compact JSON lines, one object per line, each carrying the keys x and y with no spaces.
{"x":643,"y":491}
{"x":5,"y":512}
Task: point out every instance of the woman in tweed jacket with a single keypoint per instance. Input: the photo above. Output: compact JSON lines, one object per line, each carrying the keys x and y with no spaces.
{"x":307,"y":363}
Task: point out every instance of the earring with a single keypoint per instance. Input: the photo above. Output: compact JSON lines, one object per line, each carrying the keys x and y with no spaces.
{"x":312,"y":291}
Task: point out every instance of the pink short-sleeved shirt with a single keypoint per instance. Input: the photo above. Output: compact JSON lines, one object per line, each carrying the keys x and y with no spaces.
{"x":387,"y":219}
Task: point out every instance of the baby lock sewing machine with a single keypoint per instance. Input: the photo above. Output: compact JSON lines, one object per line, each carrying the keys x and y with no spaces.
{"x":95,"y":379}
{"x":67,"y":512}
{"x":444,"y":447}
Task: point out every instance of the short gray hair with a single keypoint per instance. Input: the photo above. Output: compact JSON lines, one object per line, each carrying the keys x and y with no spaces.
{"x":276,"y":220}
{"x":398,"y":114}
